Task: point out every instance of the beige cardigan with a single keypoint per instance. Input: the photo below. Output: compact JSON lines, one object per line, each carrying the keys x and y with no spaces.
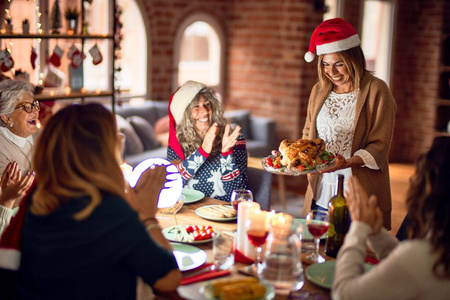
{"x":374,"y":127}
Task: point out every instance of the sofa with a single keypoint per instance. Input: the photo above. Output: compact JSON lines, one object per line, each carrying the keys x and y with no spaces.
{"x":145,"y":127}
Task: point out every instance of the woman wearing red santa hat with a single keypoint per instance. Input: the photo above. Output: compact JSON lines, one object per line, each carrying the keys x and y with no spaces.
{"x":211,"y":157}
{"x":353,"y":112}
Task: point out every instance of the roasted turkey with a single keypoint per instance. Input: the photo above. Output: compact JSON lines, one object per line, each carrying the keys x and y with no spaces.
{"x":301,"y":152}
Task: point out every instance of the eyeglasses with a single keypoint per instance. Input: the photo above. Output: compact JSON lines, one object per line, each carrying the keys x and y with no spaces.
{"x":28,"y":107}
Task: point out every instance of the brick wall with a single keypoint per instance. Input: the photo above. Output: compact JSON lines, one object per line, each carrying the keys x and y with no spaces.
{"x":266,"y":73}
{"x":416,"y":59}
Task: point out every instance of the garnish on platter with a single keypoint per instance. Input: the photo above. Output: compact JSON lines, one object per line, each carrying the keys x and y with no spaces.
{"x":190,"y":234}
{"x":299,"y":158}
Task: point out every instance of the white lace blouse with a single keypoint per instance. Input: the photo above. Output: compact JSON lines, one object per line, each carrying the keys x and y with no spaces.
{"x":336,"y":126}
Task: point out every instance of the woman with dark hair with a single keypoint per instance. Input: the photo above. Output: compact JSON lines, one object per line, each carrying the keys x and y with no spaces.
{"x":81,"y":238}
{"x":417,"y":268}
{"x":211,"y":158}
{"x":353,"y":112}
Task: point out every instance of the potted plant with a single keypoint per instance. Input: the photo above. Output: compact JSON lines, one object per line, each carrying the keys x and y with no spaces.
{"x":25,"y":26}
{"x":72,"y":15}
{"x":9,"y":25}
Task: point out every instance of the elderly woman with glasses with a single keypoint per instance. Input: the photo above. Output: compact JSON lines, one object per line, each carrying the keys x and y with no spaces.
{"x":19,"y":114}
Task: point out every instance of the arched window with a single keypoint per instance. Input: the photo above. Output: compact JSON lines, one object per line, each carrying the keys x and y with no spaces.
{"x":132,"y":79}
{"x":199,"y":52}
{"x":376,"y":41}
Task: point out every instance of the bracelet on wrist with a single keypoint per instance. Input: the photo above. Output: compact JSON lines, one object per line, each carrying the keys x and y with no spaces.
{"x":153,"y":226}
{"x":150,"y":220}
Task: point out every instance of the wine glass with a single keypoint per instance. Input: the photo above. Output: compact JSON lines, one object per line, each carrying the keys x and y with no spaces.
{"x":240,"y":195}
{"x":318,"y":222}
{"x":257,"y":229}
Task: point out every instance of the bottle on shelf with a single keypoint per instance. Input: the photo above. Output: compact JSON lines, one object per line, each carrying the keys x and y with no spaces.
{"x":339,"y":219}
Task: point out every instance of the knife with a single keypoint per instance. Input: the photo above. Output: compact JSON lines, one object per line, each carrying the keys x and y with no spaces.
{"x":198,"y":272}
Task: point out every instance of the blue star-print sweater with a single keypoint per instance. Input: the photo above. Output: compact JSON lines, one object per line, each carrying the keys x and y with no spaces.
{"x":214,"y":175}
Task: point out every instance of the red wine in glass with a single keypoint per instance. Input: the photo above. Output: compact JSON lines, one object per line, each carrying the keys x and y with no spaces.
{"x":317,"y":229}
{"x":235,"y":204}
{"x":257,"y":236}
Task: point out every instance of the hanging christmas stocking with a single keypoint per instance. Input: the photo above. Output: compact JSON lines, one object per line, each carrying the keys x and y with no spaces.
{"x":76,"y":57}
{"x":96,"y":55}
{"x":55,"y":59}
{"x":6,"y":61}
{"x":33,"y":58}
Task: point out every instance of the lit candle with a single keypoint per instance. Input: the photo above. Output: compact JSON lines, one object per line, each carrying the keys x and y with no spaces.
{"x":243,"y":244}
{"x":281,"y":222}
{"x":67,"y":90}
{"x":52,"y":93}
{"x":83,"y":90}
{"x":98,"y":91}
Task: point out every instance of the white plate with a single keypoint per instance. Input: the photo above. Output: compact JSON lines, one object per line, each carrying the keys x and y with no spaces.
{"x":208,"y":292}
{"x":188,"y":257}
{"x":286,"y":171}
{"x":323,"y":274}
{"x":192,"y":195}
{"x":170,"y":233}
{"x":197,"y":211}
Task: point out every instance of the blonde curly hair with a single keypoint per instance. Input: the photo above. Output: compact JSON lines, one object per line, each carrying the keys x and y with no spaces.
{"x":188,"y":137}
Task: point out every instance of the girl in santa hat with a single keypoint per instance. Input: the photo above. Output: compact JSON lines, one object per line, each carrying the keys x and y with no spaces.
{"x":353,"y":112}
{"x":211,"y":157}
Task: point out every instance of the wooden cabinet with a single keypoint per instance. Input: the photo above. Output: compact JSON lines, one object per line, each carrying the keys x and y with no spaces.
{"x":442,"y":124}
{"x":83,"y":41}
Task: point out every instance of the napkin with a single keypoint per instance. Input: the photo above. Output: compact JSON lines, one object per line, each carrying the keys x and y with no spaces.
{"x":240,"y":257}
{"x":203,"y":276}
{"x":372,"y":260}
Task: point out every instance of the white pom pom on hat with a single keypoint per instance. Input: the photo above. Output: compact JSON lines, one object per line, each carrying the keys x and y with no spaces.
{"x":309,"y":56}
{"x":332,"y":36}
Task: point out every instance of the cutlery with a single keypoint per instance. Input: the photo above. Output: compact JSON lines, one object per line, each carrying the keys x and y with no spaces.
{"x":198,"y":272}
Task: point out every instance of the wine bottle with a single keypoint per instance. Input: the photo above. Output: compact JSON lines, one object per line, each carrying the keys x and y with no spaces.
{"x":339,"y":219}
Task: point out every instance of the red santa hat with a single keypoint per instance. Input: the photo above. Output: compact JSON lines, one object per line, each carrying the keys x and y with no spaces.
{"x":332,"y":36}
{"x":177,"y":105}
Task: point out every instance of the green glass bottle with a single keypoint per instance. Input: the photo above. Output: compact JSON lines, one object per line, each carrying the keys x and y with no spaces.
{"x":339,"y":219}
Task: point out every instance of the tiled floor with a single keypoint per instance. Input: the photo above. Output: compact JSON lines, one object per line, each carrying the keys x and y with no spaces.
{"x":399,"y":173}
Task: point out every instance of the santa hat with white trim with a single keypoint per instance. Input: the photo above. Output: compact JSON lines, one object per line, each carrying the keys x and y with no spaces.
{"x":332,"y":36}
{"x":179,"y":101}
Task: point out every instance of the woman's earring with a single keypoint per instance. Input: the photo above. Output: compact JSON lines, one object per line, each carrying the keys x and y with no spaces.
{"x":10,"y":125}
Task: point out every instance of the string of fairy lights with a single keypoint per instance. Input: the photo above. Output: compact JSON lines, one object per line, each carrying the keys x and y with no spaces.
{"x":36,"y":42}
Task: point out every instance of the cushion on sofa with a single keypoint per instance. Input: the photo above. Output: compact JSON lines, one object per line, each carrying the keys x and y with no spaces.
{"x":241,"y":118}
{"x":133,"y":143}
{"x":145,"y":132}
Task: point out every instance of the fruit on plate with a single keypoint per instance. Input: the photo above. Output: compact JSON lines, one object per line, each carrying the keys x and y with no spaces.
{"x":190,"y":233}
{"x":218,"y":211}
{"x":219,"y":285}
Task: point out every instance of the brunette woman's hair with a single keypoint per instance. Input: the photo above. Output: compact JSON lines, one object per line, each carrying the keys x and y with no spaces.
{"x":77,"y":154}
{"x":188,"y":137}
{"x":355,"y":62}
{"x":428,"y":202}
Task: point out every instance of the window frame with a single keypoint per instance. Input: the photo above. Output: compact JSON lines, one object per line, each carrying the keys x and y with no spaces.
{"x":211,"y":21}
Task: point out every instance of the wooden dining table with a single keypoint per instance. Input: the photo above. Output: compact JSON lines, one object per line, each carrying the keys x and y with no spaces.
{"x":187,"y":216}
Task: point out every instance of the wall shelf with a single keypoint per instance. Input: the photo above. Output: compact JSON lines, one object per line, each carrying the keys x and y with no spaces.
{"x":443,"y":102}
{"x":72,"y":95}
{"x":55,"y":36}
